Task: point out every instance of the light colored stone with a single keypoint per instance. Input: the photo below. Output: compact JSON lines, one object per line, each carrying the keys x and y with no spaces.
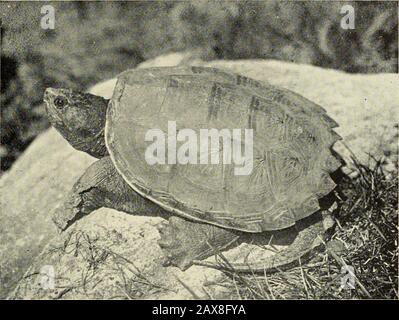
{"x":29,"y":191}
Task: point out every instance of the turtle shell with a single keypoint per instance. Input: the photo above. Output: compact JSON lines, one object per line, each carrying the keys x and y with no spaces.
{"x":292,"y":139}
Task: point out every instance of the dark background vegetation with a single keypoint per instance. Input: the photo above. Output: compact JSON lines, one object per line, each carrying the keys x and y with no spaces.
{"x":95,"y":41}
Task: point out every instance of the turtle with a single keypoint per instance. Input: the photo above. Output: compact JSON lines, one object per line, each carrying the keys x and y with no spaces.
{"x":208,"y":206}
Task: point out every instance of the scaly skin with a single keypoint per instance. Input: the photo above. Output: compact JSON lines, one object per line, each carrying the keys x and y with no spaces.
{"x":102,"y":186}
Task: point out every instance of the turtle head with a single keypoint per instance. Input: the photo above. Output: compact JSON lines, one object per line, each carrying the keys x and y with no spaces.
{"x":79,"y":117}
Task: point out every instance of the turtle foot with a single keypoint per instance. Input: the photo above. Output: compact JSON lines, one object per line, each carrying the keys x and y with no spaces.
{"x":183,"y":241}
{"x":174,"y":244}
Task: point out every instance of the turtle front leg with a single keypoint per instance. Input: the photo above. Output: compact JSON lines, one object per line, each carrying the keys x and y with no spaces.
{"x":184,"y":241}
{"x":101,"y":186}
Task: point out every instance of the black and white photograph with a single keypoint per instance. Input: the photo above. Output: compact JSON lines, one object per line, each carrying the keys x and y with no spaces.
{"x":199,"y":150}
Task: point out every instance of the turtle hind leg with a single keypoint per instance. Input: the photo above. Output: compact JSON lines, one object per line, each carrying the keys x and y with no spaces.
{"x":310,"y":236}
{"x":183,"y":241}
{"x":101,"y":186}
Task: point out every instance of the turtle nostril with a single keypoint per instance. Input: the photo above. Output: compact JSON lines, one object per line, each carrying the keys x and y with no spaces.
{"x":50,"y":92}
{"x":46,"y":95}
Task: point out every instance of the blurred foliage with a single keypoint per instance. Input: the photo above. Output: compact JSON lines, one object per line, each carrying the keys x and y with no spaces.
{"x":93,"y":41}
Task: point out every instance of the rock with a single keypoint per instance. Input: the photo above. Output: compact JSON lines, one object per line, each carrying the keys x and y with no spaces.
{"x":112,"y":254}
{"x":30,"y":190}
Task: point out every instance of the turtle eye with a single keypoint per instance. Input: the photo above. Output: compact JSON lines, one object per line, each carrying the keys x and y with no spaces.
{"x":60,"y":102}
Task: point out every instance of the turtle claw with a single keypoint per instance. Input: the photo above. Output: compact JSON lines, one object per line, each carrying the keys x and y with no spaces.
{"x":175,"y":253}
{"x":166,"y":262}
{"x":162,"y":227}
{"x":183,"y":241}
{"x":68,"y":212}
